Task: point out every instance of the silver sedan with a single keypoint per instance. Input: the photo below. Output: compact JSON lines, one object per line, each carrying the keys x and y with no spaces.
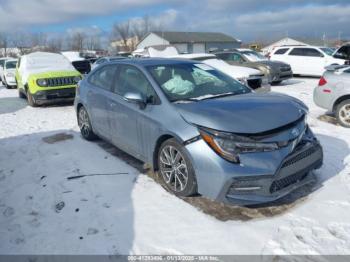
{"x":333,"y":93}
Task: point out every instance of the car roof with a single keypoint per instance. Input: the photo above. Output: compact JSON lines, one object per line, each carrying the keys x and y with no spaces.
{"x":152,"y":61}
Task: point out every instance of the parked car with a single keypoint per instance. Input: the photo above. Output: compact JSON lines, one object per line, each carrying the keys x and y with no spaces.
{"x":343,"y":52}
{"x":275,"y":71}
{"x":80,"y":63}
{"x":46,"y":77}
{"x":9,"y":72}
{"x":202,"y":130}
{"x":306,"y":60}
{"x":333,"y":93}
{"x":251,"y":77}
{"x":248,"y":76}
{"x":106,"y":59}
{"x":2,"y":63}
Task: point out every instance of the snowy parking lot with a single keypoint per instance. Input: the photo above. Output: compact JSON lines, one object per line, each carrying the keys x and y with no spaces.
{"x":60,"y":194}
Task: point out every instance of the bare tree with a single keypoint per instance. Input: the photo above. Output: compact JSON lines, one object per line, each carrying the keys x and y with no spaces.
{"x":55,"y":44}
{"x":4,"y":42}
{"x":142,"y":27}
{"x":20,"y":40}
{"x":93,"y":42}
{"x":122,"y":31}
{"x":38,"y":40}
{"x":77,"y":41}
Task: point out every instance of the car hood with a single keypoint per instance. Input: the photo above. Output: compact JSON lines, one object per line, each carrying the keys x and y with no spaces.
{"x":273,"y":64}
{"x":245,"y":114}
{"x":231,"y":70}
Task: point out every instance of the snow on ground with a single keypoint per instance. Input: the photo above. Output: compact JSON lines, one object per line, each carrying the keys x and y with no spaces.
{"x":132,"y":214}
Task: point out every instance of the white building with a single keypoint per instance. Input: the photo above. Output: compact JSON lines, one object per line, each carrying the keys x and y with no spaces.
{"x":190,"y":42}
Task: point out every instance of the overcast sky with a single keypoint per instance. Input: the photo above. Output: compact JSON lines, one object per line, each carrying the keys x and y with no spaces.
{"x":244,"y":19}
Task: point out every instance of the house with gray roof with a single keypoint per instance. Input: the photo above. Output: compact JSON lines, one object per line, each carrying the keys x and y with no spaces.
{"x":190,"y":42}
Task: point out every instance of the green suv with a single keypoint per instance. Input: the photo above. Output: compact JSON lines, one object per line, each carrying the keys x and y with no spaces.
{"x":46,"y":77}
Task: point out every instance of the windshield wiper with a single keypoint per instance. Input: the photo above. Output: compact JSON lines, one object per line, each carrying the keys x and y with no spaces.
{"x":184,"y":100}
{"x":214,"y":96}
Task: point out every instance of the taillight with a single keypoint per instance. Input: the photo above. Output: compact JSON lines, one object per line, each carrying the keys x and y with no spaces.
{"x":322,"y":81}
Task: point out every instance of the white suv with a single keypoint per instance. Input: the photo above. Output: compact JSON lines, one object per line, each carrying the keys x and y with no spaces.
{"x":306,"y":60}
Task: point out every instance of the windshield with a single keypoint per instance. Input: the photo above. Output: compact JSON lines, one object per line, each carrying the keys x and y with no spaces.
{"x":328,"y":51}
{"x":10,"y":64}
{"x":194,"y":82}
{"x":253,"y":56}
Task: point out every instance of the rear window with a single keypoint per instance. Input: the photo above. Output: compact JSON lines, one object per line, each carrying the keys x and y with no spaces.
{"x":281,"y":51}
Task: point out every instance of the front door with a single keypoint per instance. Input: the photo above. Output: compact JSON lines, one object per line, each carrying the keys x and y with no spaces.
{"x":129,"y":122}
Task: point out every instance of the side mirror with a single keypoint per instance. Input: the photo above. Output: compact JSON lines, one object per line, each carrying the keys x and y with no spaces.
{"x":136,"y":98}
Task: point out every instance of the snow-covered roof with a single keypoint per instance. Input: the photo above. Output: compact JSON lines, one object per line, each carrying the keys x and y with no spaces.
{"x":40,"y":62}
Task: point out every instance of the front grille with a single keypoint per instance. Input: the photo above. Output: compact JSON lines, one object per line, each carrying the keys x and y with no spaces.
{"x":287,"y":181}
{"x":299,"y":157}
{"x":61,"y":81}
{"x":254,"y":83}
{"x":285,"y":68}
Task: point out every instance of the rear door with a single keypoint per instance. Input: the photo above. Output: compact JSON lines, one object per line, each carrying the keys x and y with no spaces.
{"x":306,"y":61}
{"x":99,"y":91}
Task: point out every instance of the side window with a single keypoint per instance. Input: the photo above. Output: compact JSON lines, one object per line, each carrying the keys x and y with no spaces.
{"x":281,"y":51}
{"x":236,"y":57}
{"x":131,"y":79}
{"x":103,"y":77}
{"x":297,"y":52}
{"x":347,"y":71}
{"x":312,"y":52}
{"x":223,"y":56}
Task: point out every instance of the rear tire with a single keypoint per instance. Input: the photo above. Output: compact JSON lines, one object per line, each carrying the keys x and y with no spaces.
{"x":343,"y":113}
{"x":85,"y":124}
{"x":176,"y":169}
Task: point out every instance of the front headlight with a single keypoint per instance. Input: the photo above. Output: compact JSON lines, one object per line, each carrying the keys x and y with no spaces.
{"x":229,"y":146}
{"x":42,"y":82}
{"x":76,"y":79}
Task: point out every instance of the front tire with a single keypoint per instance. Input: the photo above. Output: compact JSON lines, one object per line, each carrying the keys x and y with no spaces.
{"x":176,"y":169}
{"x":31,"y":100}
{"x":343,"y":113}
{"x":85,"y":124}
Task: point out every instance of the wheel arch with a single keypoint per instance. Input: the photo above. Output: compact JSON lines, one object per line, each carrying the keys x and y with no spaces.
{"x":339,"y":100}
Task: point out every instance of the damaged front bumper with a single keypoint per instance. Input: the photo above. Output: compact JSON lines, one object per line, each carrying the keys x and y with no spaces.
{"x":294,"y":172}
{"x":54,"y":95}
{"x":260,"y":177}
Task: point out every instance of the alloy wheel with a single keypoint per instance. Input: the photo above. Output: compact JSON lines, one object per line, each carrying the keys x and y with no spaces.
{"x":344,"y":114}
{"x":173,"y":168}
{"x":83,"y":122}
